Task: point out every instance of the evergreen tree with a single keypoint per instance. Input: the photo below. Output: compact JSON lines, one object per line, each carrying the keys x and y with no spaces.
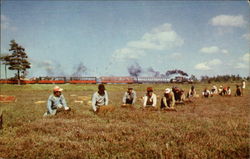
{"x":18,"y":59}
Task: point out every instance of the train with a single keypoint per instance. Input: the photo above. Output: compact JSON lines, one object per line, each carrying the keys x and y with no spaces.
{"x":95,"y":80}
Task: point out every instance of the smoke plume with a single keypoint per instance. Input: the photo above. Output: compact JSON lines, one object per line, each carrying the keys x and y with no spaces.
{"x":154,"y":73}
{"x":48,"y":66}
{"x":51,"y":68}
{"x":80,"y":70}
{"x":171,"y":72}
{"x":135,"y":70}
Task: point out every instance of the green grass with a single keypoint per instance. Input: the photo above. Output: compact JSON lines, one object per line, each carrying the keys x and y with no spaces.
{"x":217,"y":127}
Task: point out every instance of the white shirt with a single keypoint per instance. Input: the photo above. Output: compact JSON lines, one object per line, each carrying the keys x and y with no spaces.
{"x":215,"y":90}
{"x":243,"y":84}
{"x":153,"y":99}
{"x":206,"y":92}
{"x":98,"y":100}
{"x":129,"y":96}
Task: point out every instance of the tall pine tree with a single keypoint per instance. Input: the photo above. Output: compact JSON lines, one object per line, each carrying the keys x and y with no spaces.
{"x":18,"y":60}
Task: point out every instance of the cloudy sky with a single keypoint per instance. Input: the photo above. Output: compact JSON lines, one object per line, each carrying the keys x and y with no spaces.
{"x":198,"y":37}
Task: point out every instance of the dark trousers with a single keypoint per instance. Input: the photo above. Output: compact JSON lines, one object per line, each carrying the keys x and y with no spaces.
{"x":238,"y":92}
{"x":163,"y":105}
{"x":129,"y":101}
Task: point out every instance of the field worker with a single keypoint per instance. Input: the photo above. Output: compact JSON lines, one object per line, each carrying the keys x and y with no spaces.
{"x":55,"y":101}
{"x":238,"y":91}
{"x":175,"y":90}
{"x":100,"y":98}
{"x":214,"y":90}
{"x":224,"y":91}
{"x":168,"y":99}
{"x":220,"y":90}
{"x":182,"y":95}
{"x":150,"y":99}
{"x":228,"y":91}
{"x":206,"y":93}
{"x":129,"y":96}
{"x":178,"y":94}
{"x":191,"y":92}
{"x":243,"y":86}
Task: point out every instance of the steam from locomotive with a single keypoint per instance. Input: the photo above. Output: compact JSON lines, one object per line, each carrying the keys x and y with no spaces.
{"x":135,"y":70}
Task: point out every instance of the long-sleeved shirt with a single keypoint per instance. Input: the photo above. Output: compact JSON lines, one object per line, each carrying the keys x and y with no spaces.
{"x":191,"y":93}
{"x":56,"y":102}
{"x":206,"y":93}
{"x":99,"y":100}
{"x":214,"y":90}
{"x":169,"y":101}
{"x":130,"y":97}
{"x":220,"y":90}
{"x":152,"y":99}
{"x":243,"y":84}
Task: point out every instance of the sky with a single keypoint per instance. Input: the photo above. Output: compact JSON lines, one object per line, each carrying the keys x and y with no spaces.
{"x":199,"y":37}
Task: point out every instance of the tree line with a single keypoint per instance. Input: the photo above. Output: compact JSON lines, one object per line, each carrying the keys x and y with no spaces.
{"x":223,"y":78}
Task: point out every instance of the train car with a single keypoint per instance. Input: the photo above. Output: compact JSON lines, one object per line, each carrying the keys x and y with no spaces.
{"x":32,"y":80}
{"x":82,"y":80}
{"x":152,"y":80}
{"x":118,"y":80}
{"x":51,"y":80}
{"x":15,"y":81}
{"x":28,"y":81}
{"x":8,"y":81}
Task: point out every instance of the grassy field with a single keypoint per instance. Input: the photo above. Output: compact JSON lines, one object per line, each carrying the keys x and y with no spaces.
{"x":216,"y":127}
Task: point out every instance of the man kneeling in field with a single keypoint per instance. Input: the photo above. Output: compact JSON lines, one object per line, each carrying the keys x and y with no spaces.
{"x":168,"y":100}
{"x":129,"y":97}
{"x":150,"y":99}
{"x":191,"y":92}
{"x":179,"y":95}
{"x":56,"y":101}
{"x":238,"y":91}
{"x":100,"y":100}
{"x":206,"y":93}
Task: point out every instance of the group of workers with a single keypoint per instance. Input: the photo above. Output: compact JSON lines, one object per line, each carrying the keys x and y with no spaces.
{"x":170,"y":97}
{"x":224,"y":91}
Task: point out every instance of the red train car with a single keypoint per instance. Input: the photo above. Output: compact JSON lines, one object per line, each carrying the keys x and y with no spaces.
{"x":8,"y":81}
{"x":82,"y":80}
{"x":106,"y":79}
{"x":28,"y":82}
{"x":51,"y":80}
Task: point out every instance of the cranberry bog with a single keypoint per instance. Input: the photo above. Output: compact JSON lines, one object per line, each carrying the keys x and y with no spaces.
{"x":216,"y":127}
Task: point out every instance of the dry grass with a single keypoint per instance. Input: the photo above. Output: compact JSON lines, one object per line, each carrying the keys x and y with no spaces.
{"x":217,"y":127}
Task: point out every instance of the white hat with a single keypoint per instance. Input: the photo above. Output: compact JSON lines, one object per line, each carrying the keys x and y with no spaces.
{"x":168,"y":90}
{"x":57,"y":89}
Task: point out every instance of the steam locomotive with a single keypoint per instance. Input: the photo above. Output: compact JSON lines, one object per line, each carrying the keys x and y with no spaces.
{"x":94,"y":80}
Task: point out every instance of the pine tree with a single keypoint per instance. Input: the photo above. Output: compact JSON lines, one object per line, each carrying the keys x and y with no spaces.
{"x":18,"y":59}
